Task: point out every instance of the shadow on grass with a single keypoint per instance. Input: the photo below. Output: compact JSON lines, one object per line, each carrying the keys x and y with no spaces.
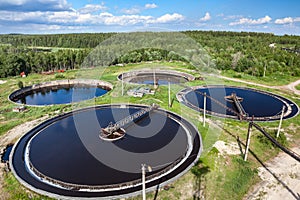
{"x":199,"y":171}
{"x":241,"y":145}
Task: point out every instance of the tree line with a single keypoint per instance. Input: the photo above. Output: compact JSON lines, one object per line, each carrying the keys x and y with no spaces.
{"x":13,"y":60}
{"x":239,"y":51}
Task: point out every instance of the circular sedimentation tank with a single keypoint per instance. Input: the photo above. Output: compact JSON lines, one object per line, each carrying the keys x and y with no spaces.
{"x":60,"y":92}
{"x":64,"y":157}
{"x":238,"y":102}
{"x":155,"y":76}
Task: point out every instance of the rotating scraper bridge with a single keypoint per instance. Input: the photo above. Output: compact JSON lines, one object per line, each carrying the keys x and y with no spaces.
{"x":37,"y":175}
{"x":243,"y":116}
{"x":116,"y":131}
{"x":238,"y":111}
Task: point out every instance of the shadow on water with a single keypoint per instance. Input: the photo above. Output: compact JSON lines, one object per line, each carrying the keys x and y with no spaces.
{"x":296,"y":195}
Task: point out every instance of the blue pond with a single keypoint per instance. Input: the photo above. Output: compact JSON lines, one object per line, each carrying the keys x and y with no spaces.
{"x":62,"y":95}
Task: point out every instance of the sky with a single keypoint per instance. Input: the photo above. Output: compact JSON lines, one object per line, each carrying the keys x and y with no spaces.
{"x":71,"y":16}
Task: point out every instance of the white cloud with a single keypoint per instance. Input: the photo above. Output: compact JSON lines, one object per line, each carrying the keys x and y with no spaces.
{"x":169,"y":18}
{"x":232,"y":17}
{"x":131,"y":11}
{"x":125,"y":20}
{"x":12,"y":17}
{"x":90,"y":8}
{"x":206,"y":17}
{"x":287,"y":20}
{"x":106,"y":14}
{"x":72,"y":18}
{"x":249,"y":21}
{"x":137,"y":9}
{"x":136,"y":19}
{"x":34,"y":5}
{"x":150,"y":6}
{"x":62,"y":17}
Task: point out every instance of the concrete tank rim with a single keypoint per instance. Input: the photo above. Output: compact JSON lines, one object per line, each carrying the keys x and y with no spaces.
{"x":280,"y":97}
{"x":131,"y":194}
{"x":185,"y":75}
{"x":9,"y":97}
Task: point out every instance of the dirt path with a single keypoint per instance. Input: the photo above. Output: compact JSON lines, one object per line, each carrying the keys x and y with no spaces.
{"x":281,"y":176}
{"x":290,"y":86}
{"x":10,"y":137}
{"x":280,"y":179}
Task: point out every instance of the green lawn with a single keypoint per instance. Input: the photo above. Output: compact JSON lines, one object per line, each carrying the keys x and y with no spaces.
{"x":275,"y":79}
{"x":219,"y":176}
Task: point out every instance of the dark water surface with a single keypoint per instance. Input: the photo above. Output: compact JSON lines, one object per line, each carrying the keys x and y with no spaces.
{"x":63,"y":148}
{"x":5,"y":156}
{"x":162,"y":79}
{"x":72,"y":163}
{"x":65,"y":95}
{"x":255,"y":103}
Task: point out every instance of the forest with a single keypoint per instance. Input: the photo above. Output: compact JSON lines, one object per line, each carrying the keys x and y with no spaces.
{"x":257,"y":54}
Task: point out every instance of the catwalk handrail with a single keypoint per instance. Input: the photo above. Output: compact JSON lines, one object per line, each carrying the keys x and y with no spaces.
{"x":238,"y":105}
{"x":73,"y":186}
{"x":121,"y":123}
{"x":217,"y":102}
{"x":241,"y":117}
{"x":274,"y":141}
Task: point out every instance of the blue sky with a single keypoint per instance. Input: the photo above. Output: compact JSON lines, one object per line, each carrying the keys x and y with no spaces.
{"x":71,"y":16}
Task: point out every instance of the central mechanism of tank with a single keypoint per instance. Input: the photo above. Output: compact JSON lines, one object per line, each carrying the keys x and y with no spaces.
{"x":116,"y":131}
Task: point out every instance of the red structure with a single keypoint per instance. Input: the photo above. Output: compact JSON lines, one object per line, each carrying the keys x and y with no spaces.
{"x":23,"y":74}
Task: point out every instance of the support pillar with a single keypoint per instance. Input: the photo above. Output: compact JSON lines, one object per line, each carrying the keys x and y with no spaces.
{"x":248,"y":141}
{"x":169,"y":92}
{"x":122,"y":85}
{"x":204,"y":109}
{"x":143,"y":181}
{"x":280,"y":122}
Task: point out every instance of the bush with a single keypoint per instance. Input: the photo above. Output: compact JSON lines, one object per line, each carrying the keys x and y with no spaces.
{"x":237,"y":76}
{"x":59,"y":76}
{"x":264,"y":140}
{"x":20,"y":84}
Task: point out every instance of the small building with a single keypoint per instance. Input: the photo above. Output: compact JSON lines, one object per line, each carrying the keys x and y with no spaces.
{"x":140,"y":92}
{"x":272,"y":45}
{"x":146,"y":91}
{"x":61,"y":71}
{"x":135,"y":93}
{"x":19,"y":109}
{"x":23,"y":74}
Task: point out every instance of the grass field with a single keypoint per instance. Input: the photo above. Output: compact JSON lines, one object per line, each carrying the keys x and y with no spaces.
{"x":217,"y":176}
{"x":274,"y":80}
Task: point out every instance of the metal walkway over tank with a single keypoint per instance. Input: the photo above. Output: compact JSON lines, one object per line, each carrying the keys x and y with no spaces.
{"x":112,"y":128}
{"x":237,"y":102}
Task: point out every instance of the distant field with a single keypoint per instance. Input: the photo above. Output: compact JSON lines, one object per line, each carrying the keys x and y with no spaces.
{"x":52,"y":49}
{"x":3,"y":44}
